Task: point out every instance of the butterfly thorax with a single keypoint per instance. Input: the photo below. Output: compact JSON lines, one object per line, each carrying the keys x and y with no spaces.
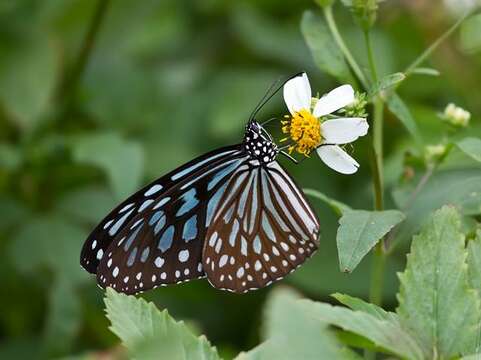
{"x":258,"y":144}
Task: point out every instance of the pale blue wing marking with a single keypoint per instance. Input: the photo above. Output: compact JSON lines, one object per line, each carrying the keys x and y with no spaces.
{"x":165,"y":241}
{"x":199,"y":164}
{"x":131,"y":238}
{"x":190,"y":201}
{"x":132,"y":256}
{"x":190,"y":229}
{"x":213,"y":202}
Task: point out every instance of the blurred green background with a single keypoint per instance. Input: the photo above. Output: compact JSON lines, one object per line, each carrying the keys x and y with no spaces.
{"x":84,"y":123}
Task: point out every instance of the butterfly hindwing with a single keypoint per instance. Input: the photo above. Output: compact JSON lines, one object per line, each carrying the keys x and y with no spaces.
{"x":162,"y":243}
{"x":262,"y":230}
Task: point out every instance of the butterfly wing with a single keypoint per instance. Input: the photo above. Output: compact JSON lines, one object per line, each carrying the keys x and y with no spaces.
{"x":156,"y":236}
{"x":262,"y":230}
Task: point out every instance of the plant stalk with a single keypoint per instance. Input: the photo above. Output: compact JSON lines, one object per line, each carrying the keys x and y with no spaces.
{"x":331,"y":23}
{"x":70,"y":80}
{"x":379,"y":255}
{"x":427,"y":53}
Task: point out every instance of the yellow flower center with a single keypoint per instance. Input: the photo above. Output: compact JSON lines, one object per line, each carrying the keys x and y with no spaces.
{"x":304,"y":130}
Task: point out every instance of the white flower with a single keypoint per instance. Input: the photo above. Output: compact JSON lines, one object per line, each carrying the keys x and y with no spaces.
{"x":309,"y":129}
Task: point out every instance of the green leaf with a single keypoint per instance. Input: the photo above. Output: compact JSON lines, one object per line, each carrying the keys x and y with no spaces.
{"x":10,"y":157}
{"x":435,"y":302}
{"x":460,"y":188}
{"x":472,"y":147}
{"x":387,"y":82}
{"x":338,"y":207}
{"x":327,"y":55}
{"x":384,"y":334}
{"x":122,"y":160}
{"x":474,"y":275}
{"x":49,"y":242}
{"x":89,"y":204}
{"x":269,"y":38}
{"x":397,"y":106}
{"x":275,"y":316}
{"x":426,"y":71}
{"x":371,"y":309}
{"x":475,"y":356}
{"x":150,"y":333}
{"x":292,"y":334}
{"x":470,"y":34}
{"x":359,"y":232}
{"x":27,"y":78}
{"x":64,"y":318}
{"x":474,"y":262}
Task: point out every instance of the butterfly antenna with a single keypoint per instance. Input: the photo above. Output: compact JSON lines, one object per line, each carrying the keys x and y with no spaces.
{"x":271,"y":91}
{"x":264,"y":99}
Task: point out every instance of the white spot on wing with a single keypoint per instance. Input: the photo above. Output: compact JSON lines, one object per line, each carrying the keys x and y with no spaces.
{"x":159,"y":261}
{"x":183,"y":255}
{"x":153,"y":189}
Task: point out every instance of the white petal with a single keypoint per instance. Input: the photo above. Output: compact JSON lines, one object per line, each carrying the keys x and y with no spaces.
{"x":337,"y":159}
{"x":344,"y":130}
{"x":334,"y":100}
{"x":297,"y":93}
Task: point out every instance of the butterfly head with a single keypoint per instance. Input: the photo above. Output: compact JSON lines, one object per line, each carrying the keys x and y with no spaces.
{"x":259,"y":144}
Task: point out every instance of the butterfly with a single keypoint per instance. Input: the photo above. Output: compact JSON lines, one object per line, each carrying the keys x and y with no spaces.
{"x":233,"y":215}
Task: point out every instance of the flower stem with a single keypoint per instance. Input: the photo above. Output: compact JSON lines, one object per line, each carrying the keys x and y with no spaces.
{"x":70,"y":80}
{"x":370,"y":56}
{"x":331,"y":23}
{"x":379,"y":256}
{"x":426,"y":53}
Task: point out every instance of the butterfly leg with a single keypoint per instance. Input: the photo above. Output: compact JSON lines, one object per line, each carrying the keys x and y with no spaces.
{"x":295,"y":161}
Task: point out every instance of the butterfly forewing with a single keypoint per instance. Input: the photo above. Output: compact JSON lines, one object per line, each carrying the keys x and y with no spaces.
{"x":133,"y":240}
{"x":262,"y":230}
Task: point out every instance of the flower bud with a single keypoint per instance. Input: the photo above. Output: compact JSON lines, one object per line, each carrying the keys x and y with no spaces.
{"x":456,"y":115}
{"x":434,"y":152}
{"x":365,"y":11}
{"x":357,"y":108}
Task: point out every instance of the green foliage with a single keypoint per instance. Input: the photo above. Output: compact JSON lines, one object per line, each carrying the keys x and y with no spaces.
{"x":387,"y":82}
{"x":471,"y":34}
{"x":460,"y":188}
{"x":121,"y":160}
{"x":397,"y":106}
{"x":56,"y":247}
{"x":371,"y":309}
{"x":385,"y":334}
{"x":359,"y":231}
{"x":474,"y":262}
{"x":471,"y":147}
{"x":425,"y":71}
{"x":338,"y":207}
{"x":149,"y":333}
{"x":27,"y":79}
{"x":291,"y":333}
{"x":435,"y":300}
{"x":326,"y":54}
